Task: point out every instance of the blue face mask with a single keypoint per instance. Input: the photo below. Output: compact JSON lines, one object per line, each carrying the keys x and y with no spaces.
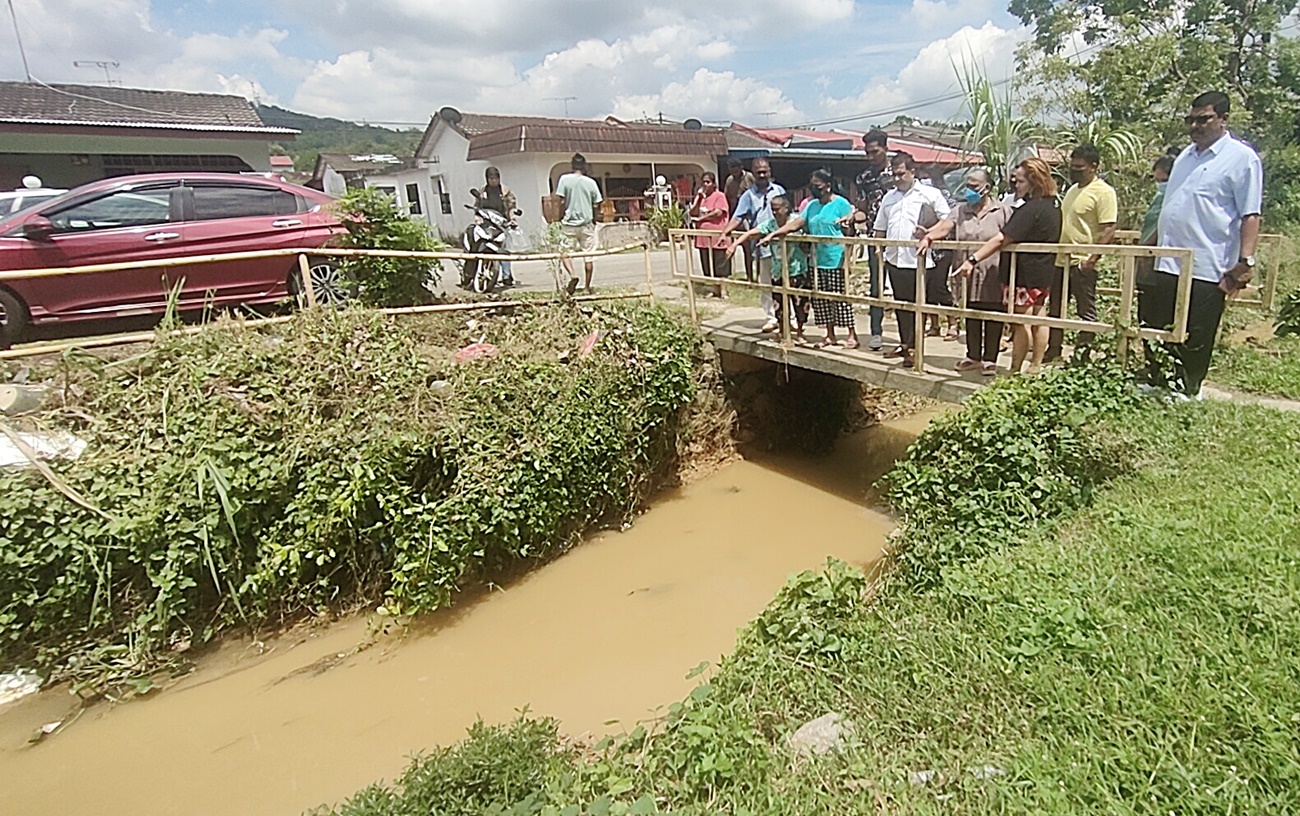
{"x":973,"y":197}
{"x":1161,"y":185}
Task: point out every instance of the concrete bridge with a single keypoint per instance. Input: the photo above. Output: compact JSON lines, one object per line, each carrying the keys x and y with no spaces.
{"x":738,"y":331}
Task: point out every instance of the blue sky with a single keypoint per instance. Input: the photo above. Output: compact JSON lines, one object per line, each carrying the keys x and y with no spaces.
{"x":784,"y":62}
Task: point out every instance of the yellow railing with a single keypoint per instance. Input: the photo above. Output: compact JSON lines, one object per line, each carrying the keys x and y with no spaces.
{"x":1125,"y":323}
{"x":304,"y":255}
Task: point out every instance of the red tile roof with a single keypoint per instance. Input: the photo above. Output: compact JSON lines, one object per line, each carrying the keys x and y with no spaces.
{"x":38,"y":103}
{"x":596,"y":137}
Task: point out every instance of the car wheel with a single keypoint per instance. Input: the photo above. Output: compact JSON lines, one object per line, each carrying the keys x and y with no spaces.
{"x":329,"y":282}
{"x":14,"y":318}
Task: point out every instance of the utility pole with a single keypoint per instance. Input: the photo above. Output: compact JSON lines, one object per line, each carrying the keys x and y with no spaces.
{"x":564,"y":99}
{"x":19,"y":37}
{"x":104,"y":64}
{"x":769,"y":114}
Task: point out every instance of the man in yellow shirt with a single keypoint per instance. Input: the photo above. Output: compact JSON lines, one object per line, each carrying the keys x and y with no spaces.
{"x":1088,"y":216}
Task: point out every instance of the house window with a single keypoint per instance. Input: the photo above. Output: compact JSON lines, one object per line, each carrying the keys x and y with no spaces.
{"x":444,"y":200}
{"x":391,"y":192}
{"x":413,"y":199}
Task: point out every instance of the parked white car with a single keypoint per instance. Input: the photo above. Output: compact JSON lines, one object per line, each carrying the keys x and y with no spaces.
{"x":24,"y":197}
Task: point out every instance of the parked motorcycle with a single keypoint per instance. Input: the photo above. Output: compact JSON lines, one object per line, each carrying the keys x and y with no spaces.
{"x":485,"y":236}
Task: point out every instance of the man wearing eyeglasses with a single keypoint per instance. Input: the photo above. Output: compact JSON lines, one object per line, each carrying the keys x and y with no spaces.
{"x":1212,"y":206}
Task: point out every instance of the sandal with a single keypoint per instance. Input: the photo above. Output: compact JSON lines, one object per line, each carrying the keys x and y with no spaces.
{"x":968,"y":364}
{"x":952,"y":335}
{"x":989,"y":369}
{"x":826,"y":342}
{"x":851,"y":344}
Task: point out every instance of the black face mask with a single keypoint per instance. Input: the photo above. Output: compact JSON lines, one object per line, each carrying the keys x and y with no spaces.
{"x":1076,"y":176}
{"x":818,"y":192}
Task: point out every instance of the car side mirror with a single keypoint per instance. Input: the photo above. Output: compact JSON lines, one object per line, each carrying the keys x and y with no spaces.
{"x":473,"y":191}
{"x":38,"y":228}
{"x":519,"y":212}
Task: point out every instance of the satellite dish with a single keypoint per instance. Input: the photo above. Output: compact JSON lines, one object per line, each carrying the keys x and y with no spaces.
{"x":692,"y":124}
{"x":449,"y":115}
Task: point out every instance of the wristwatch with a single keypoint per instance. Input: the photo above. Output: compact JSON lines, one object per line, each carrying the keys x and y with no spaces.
{"x":1248,"y":260}
{"x":972,"y":260}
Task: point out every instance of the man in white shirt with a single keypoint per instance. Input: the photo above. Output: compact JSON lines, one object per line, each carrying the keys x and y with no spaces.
{"x":754,"y":206}
{"x":903,"y":209}
{"x":1212,"y":206}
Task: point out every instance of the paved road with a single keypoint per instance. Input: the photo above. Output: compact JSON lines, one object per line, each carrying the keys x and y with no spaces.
{"x":625,"y":271}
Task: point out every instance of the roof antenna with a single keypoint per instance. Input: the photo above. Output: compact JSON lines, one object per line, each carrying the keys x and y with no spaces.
{"x":19,"y":37}
{"x":104,"y":64}
{"x":564,"y":99}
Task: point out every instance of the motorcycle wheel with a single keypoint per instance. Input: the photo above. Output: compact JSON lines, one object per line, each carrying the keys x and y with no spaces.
{"x":486,"y":278}
{"x":468,"y":271}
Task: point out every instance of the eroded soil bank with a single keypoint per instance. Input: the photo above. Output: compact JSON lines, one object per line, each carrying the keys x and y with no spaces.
{"x":600,"y":638}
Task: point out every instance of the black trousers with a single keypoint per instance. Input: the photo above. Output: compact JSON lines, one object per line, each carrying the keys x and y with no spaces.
{"x":1191,"y":358}
{"x":936,"y":279}
{"x":984,"y":337}
{"x":903,"y":282}
{"x":1083,"y":290}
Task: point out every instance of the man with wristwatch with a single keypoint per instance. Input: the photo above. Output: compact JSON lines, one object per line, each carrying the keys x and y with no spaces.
{"x":1212,"y":206}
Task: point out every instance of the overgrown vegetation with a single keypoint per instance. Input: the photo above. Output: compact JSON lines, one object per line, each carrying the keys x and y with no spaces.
{"x":243,"y":477}
{"x":1135,"y":655}
{"x":372,"y":220}
{"x":1132,"y":656}
{"x":978,"y":480}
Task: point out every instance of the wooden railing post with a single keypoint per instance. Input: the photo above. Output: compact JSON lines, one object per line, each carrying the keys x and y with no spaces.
{"x":1127,"y":286}
{"x":690,"y":280}
{"x":787,"y":300}
{"x":649,"y":272}
{"x":304,"y":274}
{"x":918,"y":317}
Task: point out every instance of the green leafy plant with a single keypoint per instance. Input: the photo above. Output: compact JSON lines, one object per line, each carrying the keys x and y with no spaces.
{"x":243,"y":478}
{"x":372,"y":220}
{"x":994,"y":128}
{"x":1287,"y":321}
{"x":662,"y":219}
{"x":1022,"y":450}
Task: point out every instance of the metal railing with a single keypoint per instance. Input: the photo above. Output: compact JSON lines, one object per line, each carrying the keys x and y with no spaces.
{"x":1125,"y":324}
{"x":308,"y":298}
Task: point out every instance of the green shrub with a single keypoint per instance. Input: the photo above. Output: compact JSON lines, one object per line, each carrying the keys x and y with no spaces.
{"x":372,"y":220}
{"x":1022,"y":450}
{"x":245,"y":477}
{"x":495,"y":770}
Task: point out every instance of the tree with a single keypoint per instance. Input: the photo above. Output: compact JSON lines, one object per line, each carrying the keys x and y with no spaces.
{"x":1141,"y":61}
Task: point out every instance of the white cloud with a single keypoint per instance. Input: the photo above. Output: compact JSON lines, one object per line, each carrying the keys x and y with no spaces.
{"x":949,"y":14}
{"x":933,"y":73}
{"x":599,"y":73}
{"x":711,"y":96}
{"x":384,"y":85}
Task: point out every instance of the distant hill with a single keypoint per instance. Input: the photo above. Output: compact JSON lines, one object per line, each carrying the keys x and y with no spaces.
{"x":325,"y":135}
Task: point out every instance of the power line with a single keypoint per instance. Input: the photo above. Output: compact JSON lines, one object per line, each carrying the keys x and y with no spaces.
{"x":19,"y":36}
{"x":948,"y":97}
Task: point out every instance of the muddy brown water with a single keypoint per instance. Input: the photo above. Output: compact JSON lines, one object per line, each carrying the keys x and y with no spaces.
{"x":601,"y":638}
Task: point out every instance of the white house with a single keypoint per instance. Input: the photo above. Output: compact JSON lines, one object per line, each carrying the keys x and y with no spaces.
{"x":70,"y":134}
{"x":532,"y":152}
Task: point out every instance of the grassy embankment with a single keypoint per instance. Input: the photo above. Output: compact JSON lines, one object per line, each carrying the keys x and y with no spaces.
{"x":1092,"y":610}
{"x":240,"y":479}
{"x":1252,"y":355}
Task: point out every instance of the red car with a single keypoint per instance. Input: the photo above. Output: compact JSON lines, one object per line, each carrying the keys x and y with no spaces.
{"x":148,"y":217}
